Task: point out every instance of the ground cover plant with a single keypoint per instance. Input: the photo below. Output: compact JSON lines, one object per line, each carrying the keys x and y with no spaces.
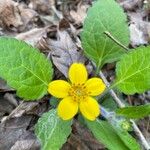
{"x":82,"y":94}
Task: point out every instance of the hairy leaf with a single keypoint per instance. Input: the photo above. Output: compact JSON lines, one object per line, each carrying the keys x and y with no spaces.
{"x":133,"y":71}
{"x":52,"y":131}
{"x":104,"y":16}
{"x":114,"y":138}
{"x":24,"y":68}
{"x":105,"y":133}
{"x":134,"y":112}
{"x":128,"y":140}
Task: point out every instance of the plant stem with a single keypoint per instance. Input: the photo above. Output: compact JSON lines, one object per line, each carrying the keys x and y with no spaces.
{"x":97,"y":70}
{"x":108,"y":34}
{"x":121,"y":104}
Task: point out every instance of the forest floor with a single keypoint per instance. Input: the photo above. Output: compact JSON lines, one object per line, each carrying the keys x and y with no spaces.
{"x":39,"y":22}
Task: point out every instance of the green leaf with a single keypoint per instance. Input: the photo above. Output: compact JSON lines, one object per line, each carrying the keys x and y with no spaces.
{"x":105,"y":133}
{"x":54,"y":102}
{"x":113,"y":138}
{"x":52,"y":131}
{"x":24,"y":68}
{"x":104,"y":16}
{"x":133,"y":71}
{"x":134,"y":112}
{"x":128,"y":140}
{"x":109,"y":103}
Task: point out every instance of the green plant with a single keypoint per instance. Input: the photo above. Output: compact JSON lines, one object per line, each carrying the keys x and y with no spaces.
{"x":29,"y":72}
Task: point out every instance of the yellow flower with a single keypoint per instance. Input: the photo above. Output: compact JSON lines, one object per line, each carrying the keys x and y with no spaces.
{"x":77,"y":94}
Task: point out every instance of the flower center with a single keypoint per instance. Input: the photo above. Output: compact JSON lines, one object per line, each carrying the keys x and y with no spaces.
{"x":78,"y":92}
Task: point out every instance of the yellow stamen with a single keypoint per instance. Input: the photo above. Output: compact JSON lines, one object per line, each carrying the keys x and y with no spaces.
{"x":78,"y":92}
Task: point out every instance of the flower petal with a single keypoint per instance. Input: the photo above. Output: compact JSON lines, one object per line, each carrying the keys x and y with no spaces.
{"x":67,"y":108}
{"x":78,"y":73}
{"x":95,"y":86}
{"x":89,"y":108}
{"x":59,"y":88}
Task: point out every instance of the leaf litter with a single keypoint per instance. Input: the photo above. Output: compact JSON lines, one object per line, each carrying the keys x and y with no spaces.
{"x":41,"y":23}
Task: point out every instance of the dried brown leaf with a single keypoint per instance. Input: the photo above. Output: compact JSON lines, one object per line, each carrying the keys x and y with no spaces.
{"x":3,"y":86}
{"x":26,"y":145}
{"x":33,"y":36}
{"x":15,"y":129}
{"x":64,"y":52}
{"x":5,"y":107}
{"x":82,"y":139}
{"x":9,"y":14}
{"x":27,"y":16}
{"x":138,"y":28}
{"x":130,"y":5}
{"x":23,"y":108}
{"x":11,"y":99}
{"x":15,"y":16}
{"x":136,"y":36}
{"x":43,"y":6}
{"x":80,"y":14}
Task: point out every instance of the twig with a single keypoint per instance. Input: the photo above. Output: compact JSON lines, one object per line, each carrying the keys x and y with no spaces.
{"x":140,"y":135}
{"x":106,"y":114}
{"x":121,"y":104}
{"x":113,"y":94}
{"x":49,"y":55}
{"x":148,"y":124}
{"x":115,"y":40}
